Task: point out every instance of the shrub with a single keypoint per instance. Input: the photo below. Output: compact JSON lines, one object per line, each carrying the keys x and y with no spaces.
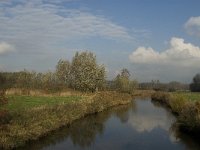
{"x":177,"y":103}
{"x":189,"y":118}
{"x":195,"y":85}
{"x":4,"y":117}
{"x":161,"y":97}
{"x":3,"y":99}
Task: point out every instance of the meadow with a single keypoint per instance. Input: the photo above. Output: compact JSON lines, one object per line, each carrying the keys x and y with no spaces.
{"x":190,"y":96}
{"x":31,"y":117}
{"x":23,"y":102}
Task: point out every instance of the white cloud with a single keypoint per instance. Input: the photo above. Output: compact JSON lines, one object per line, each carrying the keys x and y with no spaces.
{"x":179,"y":62}
{"x":149,"y":118}
{"x":43,"y":28}
{"x":5,"y":48}
{"x":192,"y":26}
{"x":180,"y":53}
{"x":49,"y":20}
{"x":145,"y":124}
{"x":144,"y":55}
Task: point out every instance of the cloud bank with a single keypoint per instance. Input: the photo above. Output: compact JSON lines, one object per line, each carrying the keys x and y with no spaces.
{"x":179,"y":53}
{"x":180,"y":62}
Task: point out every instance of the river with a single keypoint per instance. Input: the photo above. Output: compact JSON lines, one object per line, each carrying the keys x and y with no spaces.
{"x":142,"y":125}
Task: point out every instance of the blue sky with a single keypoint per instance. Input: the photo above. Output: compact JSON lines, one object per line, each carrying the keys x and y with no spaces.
{"x":154,"y":39}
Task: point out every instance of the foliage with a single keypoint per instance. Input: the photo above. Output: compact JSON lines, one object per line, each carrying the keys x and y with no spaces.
{"x":195,"y":85}
{"x":83,"y":74}
{"x":49,"y":81}
{"x":2,"y":81}
{"x":122,"y":82}
{"x":86,"y":74}
{"x":158,"y":86}
{"x":187,"y":110}
{"x":174,"y":86}
{"x":3,"y":100}
{"x":63,"y":72}
{"x":24,"y":79}
{"x":189,"y":118}
{"x":178,"y":103}
{"x":162,"y":97}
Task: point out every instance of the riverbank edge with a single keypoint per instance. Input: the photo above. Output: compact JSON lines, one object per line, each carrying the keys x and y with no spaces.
{"x":187,"y":112}
{"x":40,"y":121}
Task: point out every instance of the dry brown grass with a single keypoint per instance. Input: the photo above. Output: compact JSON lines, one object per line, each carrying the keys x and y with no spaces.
{"x":189,"y":118}
{"x":142,"y":93}
{"x":39,"y":121}
{"x":66,"y":92}
{"x":162,"y":97}
{"x":188,"y":112}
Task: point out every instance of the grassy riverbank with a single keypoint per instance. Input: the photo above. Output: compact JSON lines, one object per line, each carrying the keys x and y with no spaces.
{"x":31,"y":117}
{"x":187,"y":107}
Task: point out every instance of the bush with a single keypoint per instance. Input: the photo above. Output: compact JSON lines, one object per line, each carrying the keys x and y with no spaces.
{"x":195,"y":85}
{"x":189,"y":118}
{"x":3,"y":99}
{"x":188,"y":113}
{"x":122,"y":82}
{"x":4,"y":117}
{"x":161,"y":97}
{"x":177,"y":103}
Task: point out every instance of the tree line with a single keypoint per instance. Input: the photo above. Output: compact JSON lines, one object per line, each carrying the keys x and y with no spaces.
{"x":195,"y":85}
{"x":159,"y":86}
{"x":83,"y":73}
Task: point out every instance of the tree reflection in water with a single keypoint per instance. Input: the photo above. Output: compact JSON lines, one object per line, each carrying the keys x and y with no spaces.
{"x":176,"y":135}
{"x":145,"y":125}
{"x":82,"y":132}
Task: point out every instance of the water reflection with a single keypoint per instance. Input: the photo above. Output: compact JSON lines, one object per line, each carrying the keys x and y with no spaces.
{"x":148,"y":118}
{"x":82,"y":132}
{"x":140,"y":125}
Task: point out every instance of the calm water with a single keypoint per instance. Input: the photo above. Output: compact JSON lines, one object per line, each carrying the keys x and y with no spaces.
{"x":139,"y":126}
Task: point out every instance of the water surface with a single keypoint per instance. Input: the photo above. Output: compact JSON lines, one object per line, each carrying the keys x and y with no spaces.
{"x":142,"y":125}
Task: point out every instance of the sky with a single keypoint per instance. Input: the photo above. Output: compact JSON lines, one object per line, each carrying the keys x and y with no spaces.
{"x":153,"y":39}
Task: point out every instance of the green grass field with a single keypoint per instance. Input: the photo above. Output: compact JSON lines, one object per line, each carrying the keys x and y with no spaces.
{"x":191,"y":96}
{"x":25,"y":120}
{"x":26,"y":102}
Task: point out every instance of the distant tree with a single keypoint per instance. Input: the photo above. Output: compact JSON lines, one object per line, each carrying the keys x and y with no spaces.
{"x":117,"y":82}
{"x":125,"y":73}
{"x":133,"y":85}
{"x":3,"y":98}
{"x":195,"y":85}
{"x":86,"y":74}
{"x":49,"y":81}
{"x":174,"y":86}
{"x":63,"y":72}
{"x":23,"y":79}
{"x":2,"y":81}
{"x":156,"y":85}
{"x":122,"y":82}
